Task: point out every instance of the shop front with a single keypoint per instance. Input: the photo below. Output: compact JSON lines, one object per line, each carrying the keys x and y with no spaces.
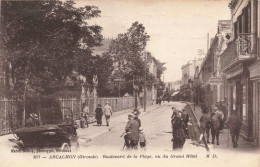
{"x":255,"y":79}
{"x":239,"y":92}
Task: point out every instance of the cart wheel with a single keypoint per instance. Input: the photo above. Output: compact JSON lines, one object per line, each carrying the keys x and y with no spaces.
{"x":65,"y":146}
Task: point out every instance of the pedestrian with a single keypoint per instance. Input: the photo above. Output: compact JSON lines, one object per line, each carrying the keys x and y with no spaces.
{"x":178,"y":134}
{"x":174,"y":112}
{"x":185,"y":119}
{"x":99,"y":114}
{"x":215,"y":125}
{"x":234,"y":123}
{"x":142,"y":139}
{"x":132,"y":128}
{"x":205,"y":125}
{"x":136,"y":113}
{"x":160,"y":100}
{"x":29,"y":122}
{"x":33,"y":120}
{"x":107,"y":113}
{"x":85,"y":113}
{"x":219,"y":111}
{"x":127,"y":136}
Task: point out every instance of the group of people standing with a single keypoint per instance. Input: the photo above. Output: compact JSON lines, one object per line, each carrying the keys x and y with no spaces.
{"x":107,"y":111}
{"x":179,"y":122}
{"x":214,"y":122}
{"x":134,"y":132}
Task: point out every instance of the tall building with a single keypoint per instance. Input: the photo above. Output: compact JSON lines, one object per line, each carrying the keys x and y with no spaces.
{"x":239,"y":64}
{"x":210,"y":74}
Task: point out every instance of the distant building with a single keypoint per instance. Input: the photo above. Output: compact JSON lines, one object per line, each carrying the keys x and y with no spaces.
{"x":188,"y":72}
{"x":173,"y":86}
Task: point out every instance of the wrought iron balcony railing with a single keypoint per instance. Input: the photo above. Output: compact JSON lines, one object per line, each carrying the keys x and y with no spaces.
{"x":239,"y":50}
{"x":246,"y":46}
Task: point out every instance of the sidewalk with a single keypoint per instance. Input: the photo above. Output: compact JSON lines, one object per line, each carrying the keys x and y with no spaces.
{"x":225,"y":141}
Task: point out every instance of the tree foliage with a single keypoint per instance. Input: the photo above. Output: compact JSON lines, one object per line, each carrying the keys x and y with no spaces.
{"x":45,"y":41}
{"x":127,"y":50}
{"x":131,"y":60}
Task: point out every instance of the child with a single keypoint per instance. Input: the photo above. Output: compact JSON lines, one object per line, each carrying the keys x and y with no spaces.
{"x":142,"y":139}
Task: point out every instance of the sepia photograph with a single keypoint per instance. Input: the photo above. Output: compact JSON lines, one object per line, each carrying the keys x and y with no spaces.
{"x":129,"y":83}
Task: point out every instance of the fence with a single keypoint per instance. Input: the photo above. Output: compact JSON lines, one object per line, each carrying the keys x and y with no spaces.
{"x":14,"y":112}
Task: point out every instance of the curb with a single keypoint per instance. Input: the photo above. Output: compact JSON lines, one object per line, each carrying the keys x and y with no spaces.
{"x":89,"y":139}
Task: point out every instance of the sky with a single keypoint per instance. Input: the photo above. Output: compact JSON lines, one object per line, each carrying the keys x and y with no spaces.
{"x":177,"y":28}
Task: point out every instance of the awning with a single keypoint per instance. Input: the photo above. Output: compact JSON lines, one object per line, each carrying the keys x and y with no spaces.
{"x":175,"y":93}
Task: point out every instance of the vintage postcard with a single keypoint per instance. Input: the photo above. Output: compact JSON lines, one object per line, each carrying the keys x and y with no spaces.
{"x":129,"y":83}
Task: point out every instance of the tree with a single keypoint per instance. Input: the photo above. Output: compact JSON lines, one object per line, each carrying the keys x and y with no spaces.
{"x":45,"y":41}
{"x":131,"y":60}
{"x":127,"y":51}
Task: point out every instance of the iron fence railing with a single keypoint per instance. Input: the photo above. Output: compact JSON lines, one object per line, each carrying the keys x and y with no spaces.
{"x":14,"y":112}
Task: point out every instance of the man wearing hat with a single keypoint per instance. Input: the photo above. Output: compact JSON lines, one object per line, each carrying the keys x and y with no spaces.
{"x":185,"y":119}
{"x":234,"y":122}
{"x":107,"y":113}
{"x":216,"y":119}
{"x":32,"y":120}
{"x":174,"y":111}
{"x":132,"y":130}
{"x":136,"y":113}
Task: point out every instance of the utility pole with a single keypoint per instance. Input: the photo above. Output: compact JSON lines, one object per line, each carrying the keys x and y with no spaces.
{"x":145,"y":81}
{"x":207,"y":42}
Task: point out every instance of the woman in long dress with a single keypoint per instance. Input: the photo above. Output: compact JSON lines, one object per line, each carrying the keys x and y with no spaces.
{"x":178,"y":134}
{"x":99,"y":114}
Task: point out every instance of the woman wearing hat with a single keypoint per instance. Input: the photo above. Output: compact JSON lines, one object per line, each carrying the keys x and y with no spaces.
{"x":99,"y":114}
{"x":178,"y":134}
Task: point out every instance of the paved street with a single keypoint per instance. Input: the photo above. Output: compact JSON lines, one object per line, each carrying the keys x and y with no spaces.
{"x":156,"y":123}
{"x":157,"y":128}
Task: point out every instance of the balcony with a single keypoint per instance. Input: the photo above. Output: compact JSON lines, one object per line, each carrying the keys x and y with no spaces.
{"x":246,"y":47}
{"x":240,"y":50}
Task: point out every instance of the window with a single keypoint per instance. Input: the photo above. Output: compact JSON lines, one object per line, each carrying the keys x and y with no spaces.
{"x":235,"y":29}
{"x":233,"y":98}
{"x":244,"y":99}
{"x":243,"y":23}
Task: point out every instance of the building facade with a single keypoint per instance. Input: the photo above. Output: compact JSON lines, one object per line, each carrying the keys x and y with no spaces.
{"x":210,"y":74}
{"x":239,"y":64}
{"x":188,"y":72}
